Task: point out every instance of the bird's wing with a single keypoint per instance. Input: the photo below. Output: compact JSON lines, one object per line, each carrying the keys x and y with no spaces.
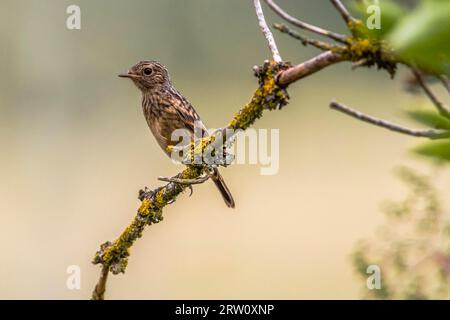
{"x":187,"y":113}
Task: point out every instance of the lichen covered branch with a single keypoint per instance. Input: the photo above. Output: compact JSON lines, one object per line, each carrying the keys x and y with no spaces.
{"x":114,"y":256}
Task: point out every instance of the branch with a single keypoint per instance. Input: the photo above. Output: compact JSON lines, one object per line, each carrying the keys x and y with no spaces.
{"x":188,"y":182}
{"x":305,"y":41}
{"x":343,"y":11}
{"x":443,"y":111}
{"x":266,"y":31}
{"x":283,"y":14}
{"x":428,"y":133}
{"x":309,"y":67}
{"x":100,"y":288}
{"x":360,"y":63}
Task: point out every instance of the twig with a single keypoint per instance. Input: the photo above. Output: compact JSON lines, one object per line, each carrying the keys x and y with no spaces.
{"x":428,"y":133}
{"x":283,"y":14}
{"x":309,"y":67}
{"x":198,"y":180}
{"x":266,"y":31}
{"x":360,"y":63}
{"x":305,"y":41}
{"x":100,"y":288}
{"x":343,"y":11}
{"x":443,"y":111}
{"x":445,"y":82}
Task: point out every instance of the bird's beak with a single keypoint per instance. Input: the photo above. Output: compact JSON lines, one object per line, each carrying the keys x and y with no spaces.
{"x":128,"y":75}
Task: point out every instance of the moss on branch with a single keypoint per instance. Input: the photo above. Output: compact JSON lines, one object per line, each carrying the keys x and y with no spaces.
{"x":115,"y":255}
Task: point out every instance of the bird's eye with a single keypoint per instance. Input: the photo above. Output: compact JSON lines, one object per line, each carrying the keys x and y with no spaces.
{"x":147,"y":71}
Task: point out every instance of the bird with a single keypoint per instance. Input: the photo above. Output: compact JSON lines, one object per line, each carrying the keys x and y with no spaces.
{"x":166,"y":109}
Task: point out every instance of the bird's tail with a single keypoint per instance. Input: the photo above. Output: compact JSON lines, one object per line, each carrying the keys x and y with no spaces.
{"x":224,"y":191}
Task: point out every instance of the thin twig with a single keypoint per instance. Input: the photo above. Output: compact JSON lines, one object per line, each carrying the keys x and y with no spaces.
{"x":427,"y":133}
{"x":266,"y":31}
{"x":305,"y":41}
{"x":443,"y":111}
{"x":445,"y":82}
{"x":198,"y":180}
{"x":100,"y":288}
{"x":335,"y":36}
{"x":343,"y":11}
{"x":360,"y":63}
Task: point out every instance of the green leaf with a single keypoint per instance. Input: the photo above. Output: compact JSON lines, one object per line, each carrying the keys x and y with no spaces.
{"x":391,"y":14}
{"x":438,"y":150}
{"x":429,"y":118}
{"x":423,"y":36}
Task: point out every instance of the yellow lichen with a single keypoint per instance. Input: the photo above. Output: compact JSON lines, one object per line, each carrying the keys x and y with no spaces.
{"x":144,"y":208}
{"x":267,"y":97}
{"x":362,"y":48}
{"x":169,"y":149}
{"x":159,"y":199}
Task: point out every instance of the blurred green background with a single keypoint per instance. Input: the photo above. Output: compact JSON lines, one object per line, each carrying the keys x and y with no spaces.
{"x":75,"y":149}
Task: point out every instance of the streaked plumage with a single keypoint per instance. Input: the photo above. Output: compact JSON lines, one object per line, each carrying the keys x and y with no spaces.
{"x":166,"y":110}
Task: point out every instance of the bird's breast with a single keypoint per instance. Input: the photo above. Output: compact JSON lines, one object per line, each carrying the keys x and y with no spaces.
{"x":162,"y":119}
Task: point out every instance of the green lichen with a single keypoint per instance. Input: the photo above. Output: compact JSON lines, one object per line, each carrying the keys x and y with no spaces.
{"x":115,"y":255}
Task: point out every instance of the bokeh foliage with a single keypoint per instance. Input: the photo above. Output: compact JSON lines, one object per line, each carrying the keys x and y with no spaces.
{"x":412,"y":248}
{"x":420,"y":35}
{"x":439,"y":150}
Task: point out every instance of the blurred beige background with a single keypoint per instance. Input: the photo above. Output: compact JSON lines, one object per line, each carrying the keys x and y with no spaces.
{"x":75,"y":149}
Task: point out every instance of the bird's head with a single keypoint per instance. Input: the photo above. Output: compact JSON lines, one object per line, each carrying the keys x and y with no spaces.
{"x":148,"y":75}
